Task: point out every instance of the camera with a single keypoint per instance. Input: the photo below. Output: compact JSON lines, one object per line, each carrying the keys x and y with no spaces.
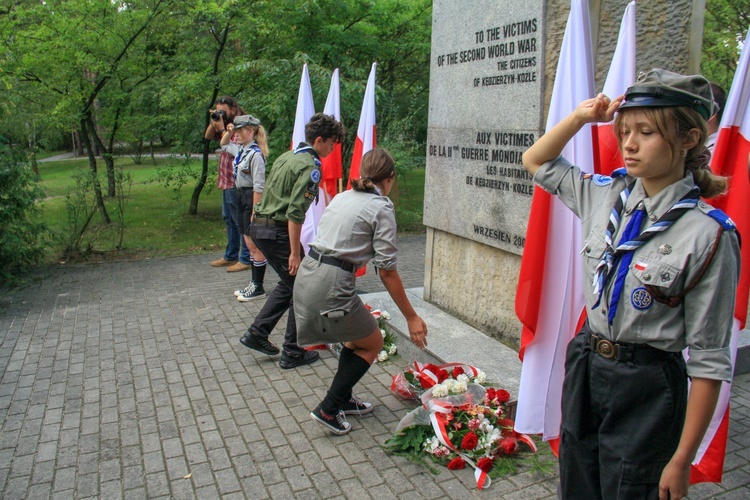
{"x":219,"y":115}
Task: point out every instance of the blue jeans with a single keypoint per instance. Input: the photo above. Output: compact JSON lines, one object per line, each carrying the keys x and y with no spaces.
{"x":235,"y":241}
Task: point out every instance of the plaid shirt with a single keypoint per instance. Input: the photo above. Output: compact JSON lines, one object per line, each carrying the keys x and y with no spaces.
{"x":226,"y":177}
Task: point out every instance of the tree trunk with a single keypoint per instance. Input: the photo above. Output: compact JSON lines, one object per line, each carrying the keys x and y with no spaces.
{"x":193,"y":210}
{"x":94,"y":178}
{"x":107,"y":155}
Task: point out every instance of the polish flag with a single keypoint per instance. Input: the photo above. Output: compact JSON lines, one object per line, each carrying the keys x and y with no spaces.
{"x":621,"y":75}
{"x":731,"y":158}
{"x":549,"y":298}
{"x":305,"y":111}
{"x":332,"y":164}
{"x":366,"y":130}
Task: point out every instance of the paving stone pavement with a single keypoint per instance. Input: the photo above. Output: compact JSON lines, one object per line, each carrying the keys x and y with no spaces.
{"x":127,"y":380}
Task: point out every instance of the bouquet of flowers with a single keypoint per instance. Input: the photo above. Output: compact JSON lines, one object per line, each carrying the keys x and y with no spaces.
{"x":412,"y":383}
{"x":461,"y":424}
{"x":389,"y":339}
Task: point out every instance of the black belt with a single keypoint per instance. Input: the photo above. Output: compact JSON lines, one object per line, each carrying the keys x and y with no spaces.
{"x":263,"y":221}
{"x":332,"y":261}
{"x":626,"y":351}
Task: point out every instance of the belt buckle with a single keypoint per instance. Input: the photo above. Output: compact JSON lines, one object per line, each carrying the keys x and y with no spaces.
{"x":606,"y":348}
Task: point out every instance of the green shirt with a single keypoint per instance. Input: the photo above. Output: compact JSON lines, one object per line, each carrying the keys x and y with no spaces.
{"x":291,"y":186}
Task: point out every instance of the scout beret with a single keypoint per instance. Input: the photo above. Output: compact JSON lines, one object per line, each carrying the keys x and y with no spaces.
{"x":245,"y":120}
{"x":660,"y":88}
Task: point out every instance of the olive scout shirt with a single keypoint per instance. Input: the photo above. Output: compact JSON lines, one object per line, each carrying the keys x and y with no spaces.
{"x":291,"y":186}
{"x":670,"y":261}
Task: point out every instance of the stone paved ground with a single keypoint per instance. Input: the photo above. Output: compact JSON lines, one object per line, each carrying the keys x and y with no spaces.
{"x":127,"y":380}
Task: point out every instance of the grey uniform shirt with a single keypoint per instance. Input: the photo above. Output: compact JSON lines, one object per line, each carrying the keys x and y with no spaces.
{"x":251,"y":171}
{"x":669,"y":261}
{"x":357,"y":227}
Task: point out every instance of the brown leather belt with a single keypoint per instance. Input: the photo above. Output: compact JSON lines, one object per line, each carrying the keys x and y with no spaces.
{"x":626,"y":351}
{"x":263,"y":221}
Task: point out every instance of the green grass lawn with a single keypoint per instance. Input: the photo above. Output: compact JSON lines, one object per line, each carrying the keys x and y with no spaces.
{"x":156,"y":224}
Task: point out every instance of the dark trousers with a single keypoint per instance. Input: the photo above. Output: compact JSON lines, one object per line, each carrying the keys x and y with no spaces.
{"x":274,"y":243}
{"x":621,"y":421}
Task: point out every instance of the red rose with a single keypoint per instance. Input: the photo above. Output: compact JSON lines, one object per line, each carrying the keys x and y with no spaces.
{"x":456,"y":464}
{"x":491,"y":394}
{"x":458,"y":371}
{"x":485,"y":463}
{"x":508,"y":446}
{"x":470,"y":441}
{"x":502,"y":395}
{"x":442,"y":375}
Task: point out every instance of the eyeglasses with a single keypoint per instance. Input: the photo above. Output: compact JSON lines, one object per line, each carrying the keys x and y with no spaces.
{"x":224,"y":100}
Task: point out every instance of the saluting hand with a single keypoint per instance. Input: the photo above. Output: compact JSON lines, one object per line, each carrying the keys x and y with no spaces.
{"x":598,"y":109}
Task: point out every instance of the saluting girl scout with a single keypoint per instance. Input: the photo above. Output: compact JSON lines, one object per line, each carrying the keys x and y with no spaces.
{"x":661,"y":269}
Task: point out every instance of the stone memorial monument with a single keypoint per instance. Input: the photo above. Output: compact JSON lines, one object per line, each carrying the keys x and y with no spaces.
{"x":492,"y":67}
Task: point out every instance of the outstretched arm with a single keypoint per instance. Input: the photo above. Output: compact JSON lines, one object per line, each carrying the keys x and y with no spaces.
{"x":417,"y":327}
{"x":550,"y":145}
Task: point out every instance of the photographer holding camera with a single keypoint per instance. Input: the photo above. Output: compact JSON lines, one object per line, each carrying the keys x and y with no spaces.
{"x":236,"y":255}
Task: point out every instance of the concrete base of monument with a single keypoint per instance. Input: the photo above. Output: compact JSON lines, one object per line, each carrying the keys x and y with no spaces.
{"x":742,"y":364}
{"x":450,"y":340}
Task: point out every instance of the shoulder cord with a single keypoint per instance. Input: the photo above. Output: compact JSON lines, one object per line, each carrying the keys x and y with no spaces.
{"x":676,"y":300}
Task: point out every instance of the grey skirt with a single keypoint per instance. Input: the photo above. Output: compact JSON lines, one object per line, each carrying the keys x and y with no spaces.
{"x":326,"y":307}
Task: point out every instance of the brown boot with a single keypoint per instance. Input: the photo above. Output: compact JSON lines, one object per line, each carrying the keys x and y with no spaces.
{"x":239,"y":266}
{"x":223,"y":262}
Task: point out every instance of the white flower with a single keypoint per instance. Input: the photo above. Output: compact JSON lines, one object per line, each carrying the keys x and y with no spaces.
{"x":431,"y":444}
{"x":463,"y":378}
{"x":439,"y":391}
{"x":459,"y":387}
{"x":481,"y":377}
{"x":392,"y":350}
{"x":385,"y":315}
{"x":382,"y":356}
{"x":382,"y":332}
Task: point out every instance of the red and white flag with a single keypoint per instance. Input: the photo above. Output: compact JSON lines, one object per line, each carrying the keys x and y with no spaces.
{"x":332,"y":164}
{"x":549,"y":298}
{"x":621,"y":75}
{"x":366,"y":130}
{"x":305,"y":111}
{"x":731,"y":158}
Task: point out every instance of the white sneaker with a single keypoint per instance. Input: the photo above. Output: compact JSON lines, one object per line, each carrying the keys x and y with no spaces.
{"x":255,"y":293}
{"x":248,"y":289}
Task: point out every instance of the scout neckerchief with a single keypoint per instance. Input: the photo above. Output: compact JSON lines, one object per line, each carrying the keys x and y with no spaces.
{"x":241,"y":156}
{"x":632,"y":238}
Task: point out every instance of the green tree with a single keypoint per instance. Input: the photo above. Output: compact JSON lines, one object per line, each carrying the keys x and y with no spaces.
{"x":725,"y":29}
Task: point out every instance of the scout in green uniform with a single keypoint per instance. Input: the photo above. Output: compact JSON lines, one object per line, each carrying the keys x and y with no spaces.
{"x":661,"y":269}
{"x":291,"y":187}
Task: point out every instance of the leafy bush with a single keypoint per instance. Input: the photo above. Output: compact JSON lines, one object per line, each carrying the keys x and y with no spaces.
{"x":22,"y":241}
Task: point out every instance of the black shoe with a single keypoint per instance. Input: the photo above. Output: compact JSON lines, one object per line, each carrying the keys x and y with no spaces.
{"x":335,"y":423}
{"x":259,"y":343}
{"x":286,"y":362}
{"x":356,"y":406}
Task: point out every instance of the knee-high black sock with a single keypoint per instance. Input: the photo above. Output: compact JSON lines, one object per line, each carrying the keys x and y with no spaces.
{"x":351,"y":369}
{"x":258,"y":273}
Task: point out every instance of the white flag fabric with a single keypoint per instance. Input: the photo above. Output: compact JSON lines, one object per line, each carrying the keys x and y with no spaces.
{"x":621,"y":75}
{"x":366,"y":131}
{"x":560,"y":292}
{"x":332,"y":164}
{"x":305,"y":111}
